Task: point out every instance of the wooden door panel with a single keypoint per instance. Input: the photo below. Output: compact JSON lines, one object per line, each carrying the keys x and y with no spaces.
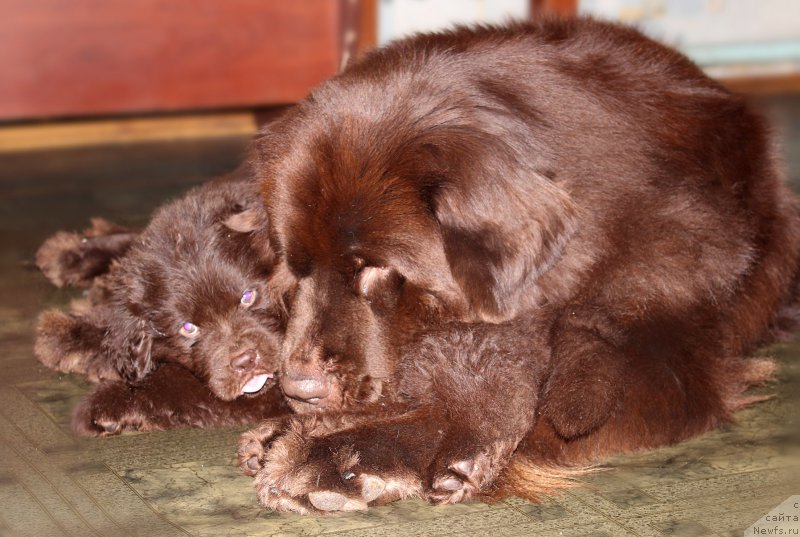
{"x":79,"y":57}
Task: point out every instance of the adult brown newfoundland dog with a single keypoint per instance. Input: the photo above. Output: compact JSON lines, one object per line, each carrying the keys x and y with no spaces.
{"x":537,"y":244}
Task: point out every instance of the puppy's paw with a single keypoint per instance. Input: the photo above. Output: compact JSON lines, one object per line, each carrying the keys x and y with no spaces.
{"x":85,"y":424}
{"x":58,"y":338}
{"x":71,"y":344}
{"x":59,"y":259}
{"x":106,"y":412}
{"x":75,"y":259}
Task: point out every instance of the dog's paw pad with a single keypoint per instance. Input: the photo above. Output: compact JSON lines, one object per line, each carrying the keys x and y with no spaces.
{"x":468,"y":468}
{"x":107,"y":427}
{"x":449,"y":488}
{"x":372,"y":487}
{"x":253,"y":465}
{"x":327,"y":500}
{"x":448,"y":483}
{"x":461,"y":481}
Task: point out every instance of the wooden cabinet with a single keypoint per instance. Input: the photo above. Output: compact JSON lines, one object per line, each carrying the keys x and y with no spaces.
{"x":63,"y":58}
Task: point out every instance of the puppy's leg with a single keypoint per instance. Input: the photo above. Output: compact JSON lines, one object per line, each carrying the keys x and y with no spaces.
{"x":72,"y":344}
{"x":75,"y":259}
{"x":169,"y":398}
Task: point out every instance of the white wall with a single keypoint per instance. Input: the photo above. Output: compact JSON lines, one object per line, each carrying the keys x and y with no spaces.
{"x":696,"y":22}
{"x":727,"y":37}
{"x":397,"y":18}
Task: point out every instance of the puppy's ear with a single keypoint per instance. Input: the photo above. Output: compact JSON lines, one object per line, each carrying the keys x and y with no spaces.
{"x":503,"y":225}
{"x":254,"y":223}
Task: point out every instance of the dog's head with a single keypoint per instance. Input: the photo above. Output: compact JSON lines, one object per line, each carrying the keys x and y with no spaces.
{"x":397,"y":206}
{"x":193,"y":290}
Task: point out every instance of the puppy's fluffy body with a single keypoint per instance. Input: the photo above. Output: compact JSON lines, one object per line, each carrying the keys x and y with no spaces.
{"x":547,"y":242}
{"x":190,"y":291}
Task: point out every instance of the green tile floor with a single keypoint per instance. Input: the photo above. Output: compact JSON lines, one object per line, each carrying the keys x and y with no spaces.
{"x":185,"y":483}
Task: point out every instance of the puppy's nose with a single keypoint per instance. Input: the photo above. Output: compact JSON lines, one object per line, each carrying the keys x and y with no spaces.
{"x":308,"y":388}
{"x":245,"y":361}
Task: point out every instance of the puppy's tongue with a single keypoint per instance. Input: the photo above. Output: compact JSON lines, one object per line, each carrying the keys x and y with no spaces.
{"x":256,"y":383}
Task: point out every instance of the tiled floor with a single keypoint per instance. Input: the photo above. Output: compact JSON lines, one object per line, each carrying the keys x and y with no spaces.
{"x":184,"y":482}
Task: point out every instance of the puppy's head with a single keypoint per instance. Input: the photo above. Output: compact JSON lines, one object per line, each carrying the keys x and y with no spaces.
{"x":193,"y":291}
{"x":395,"y":208}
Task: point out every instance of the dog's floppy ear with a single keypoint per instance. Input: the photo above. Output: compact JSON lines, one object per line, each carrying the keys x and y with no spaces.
{"x":503,"y":223}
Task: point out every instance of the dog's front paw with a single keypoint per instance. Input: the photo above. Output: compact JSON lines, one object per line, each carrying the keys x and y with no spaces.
{"x":344,"y":471}
{"x":460,"y":480}
{"x":462,"y":473}
{"x":314,"y":475}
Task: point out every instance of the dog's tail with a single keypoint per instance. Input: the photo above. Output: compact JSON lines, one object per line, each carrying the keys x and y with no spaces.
{"x":534,"y":480}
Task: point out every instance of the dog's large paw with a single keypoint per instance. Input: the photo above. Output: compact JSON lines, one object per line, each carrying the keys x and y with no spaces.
{"x":344,"y":471}
{"x":460,"y":479}
{"x":462,"y":472}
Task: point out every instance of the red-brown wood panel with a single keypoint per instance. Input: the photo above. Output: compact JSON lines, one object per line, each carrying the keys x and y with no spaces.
{"x":85,"y":57}
{"x":554,"y":7}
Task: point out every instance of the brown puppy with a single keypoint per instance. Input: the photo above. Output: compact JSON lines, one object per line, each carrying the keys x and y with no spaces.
{"x":190,"y":292}
{"x":552,"y":241}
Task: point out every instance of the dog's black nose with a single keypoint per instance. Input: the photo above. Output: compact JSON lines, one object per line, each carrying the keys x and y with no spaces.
{"x":245,"y":361}
{"x":308,"y":388}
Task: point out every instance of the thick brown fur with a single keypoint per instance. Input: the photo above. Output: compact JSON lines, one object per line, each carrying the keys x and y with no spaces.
{"x":543,"y":244}
{"x":203,"y":259}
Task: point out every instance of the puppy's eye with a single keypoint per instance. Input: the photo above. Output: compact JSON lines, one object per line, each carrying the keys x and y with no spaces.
{"x":248,"y":298}
{"x":189,"y":330}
